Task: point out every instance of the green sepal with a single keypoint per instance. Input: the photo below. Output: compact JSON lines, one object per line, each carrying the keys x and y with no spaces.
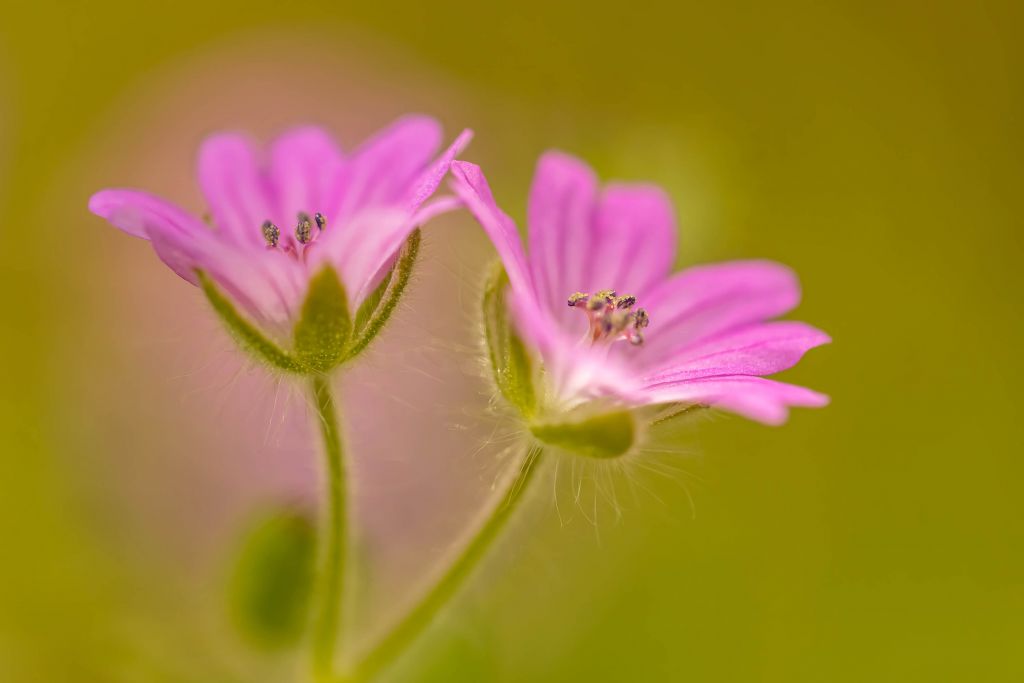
{"x":375,"y":311}
{"x":244,"y":332}
{"x":607,"y":435}
{"x":509,"y":360}
{"x":324,"y":326}
{"x":272,"y":579}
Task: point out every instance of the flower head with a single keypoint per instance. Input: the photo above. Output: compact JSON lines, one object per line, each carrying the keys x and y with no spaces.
{"x":595,"y":298}
{"x":281,"y":218}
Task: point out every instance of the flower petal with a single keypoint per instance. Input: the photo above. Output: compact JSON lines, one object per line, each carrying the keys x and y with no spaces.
{"x":560,"y":219}
{"x":761,"y":349}
{"x":382,"y":169}
{"x":266,"y":284}
{"x":366,"y":242}
{"x":469,"y":183}
{"x":756,"y":398}
{"x":533,"y":321}
{"x":633,"y":238}
{"x":238,"y":193}
{"x":304,"y":164}
{"x":705,"y":301}
{"x":142,"y":214}
{"x":428,"y":181}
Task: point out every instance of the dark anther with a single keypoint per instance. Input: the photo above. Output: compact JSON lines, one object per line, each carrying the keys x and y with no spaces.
{"x":304,"y":229}
{"x":642,"y":319}
{"x":625,"y":301}
{"x":321,"y":222}
{"x":271,"y":233}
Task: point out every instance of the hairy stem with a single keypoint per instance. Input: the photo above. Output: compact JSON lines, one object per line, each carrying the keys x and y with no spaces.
{"x":385,"y":652}
{"x":326,"y":628}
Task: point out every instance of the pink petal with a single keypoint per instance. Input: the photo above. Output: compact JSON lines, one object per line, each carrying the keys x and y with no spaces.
{"x":633,"y":239}
{"x":142,"y":214}
{"x":363,"y":244}
{"x":533,"y":321}
{"x":384,"y":232}
{"x":469,"y":183}
{"x":762,"y":349}
{"x":757,"y":398}
{"x":560,"y":219}
{"x":705,"y":301}
{"x":266,"y":284}
{"x":382,"y":169}
{"x":236,"y":190}
{"x":304,"y":165}
{"x":427,"y":184}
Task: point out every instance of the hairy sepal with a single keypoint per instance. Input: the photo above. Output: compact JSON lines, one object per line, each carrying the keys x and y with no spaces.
{"x":506,"y":353}
{"x":602,"y":436}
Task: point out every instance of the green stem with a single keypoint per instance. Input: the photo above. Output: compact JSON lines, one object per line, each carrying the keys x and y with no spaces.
{"x":331,"y":578}
{"x":409,"y":628}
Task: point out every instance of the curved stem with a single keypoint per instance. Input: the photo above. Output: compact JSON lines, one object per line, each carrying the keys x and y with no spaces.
{"x":331,"y":582}
{"x":409,"y":628}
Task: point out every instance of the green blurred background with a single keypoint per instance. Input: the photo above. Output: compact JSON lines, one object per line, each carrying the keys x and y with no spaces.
{"x":874,"y":146}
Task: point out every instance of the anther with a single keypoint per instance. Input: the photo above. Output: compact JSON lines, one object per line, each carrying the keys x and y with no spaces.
{"x":271,"y":233}
{"x":578,"y":298}
{"x":321,"y":222}
{"x":612,"y":316}
{"x":304,"y":229}
{"x":625,"y":301}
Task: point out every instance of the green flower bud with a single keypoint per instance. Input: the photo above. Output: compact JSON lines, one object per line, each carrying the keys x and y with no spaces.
{"x":272,"y":579}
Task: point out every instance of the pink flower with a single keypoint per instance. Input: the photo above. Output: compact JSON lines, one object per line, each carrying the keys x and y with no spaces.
{"x":595,"y":298}
{"x":278,"y":216}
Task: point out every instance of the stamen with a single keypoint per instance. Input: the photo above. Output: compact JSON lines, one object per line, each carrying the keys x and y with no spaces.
{"x":578,"y":298}
{"x":304,"y":229}
{"x":321,"y":222}
{"x":271,"y":233}
{"x":611,"y":316}
{"x":642,"y":319}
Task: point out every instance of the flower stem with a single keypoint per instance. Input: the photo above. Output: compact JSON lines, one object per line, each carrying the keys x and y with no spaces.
{"x":327,"y":626}
{"x":416,"y":620}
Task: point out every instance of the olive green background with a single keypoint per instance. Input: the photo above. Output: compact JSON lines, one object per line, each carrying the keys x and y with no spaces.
{"x":873,"y":146}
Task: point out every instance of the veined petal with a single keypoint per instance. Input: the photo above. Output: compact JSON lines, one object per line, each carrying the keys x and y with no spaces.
{"x":533,"y":320}
{"x":142,"y":214}
{"x":266,"y":285}
{"x":304,"y":163}
{"x":364,"y":245}
{"x":757,"y":398}
{"x":382,"y":188}
{"x":428,"y":181}
{"x":238,"y":192}
{"x":469,"y":183}
{"x":382,"y":169}
{"x":705,"y":301}
{"x":560,"y":220}
{"x":633,"y":240}
{"x":761,"y":349}
{"x":384,"y":232}
{"x":270,"y":289}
